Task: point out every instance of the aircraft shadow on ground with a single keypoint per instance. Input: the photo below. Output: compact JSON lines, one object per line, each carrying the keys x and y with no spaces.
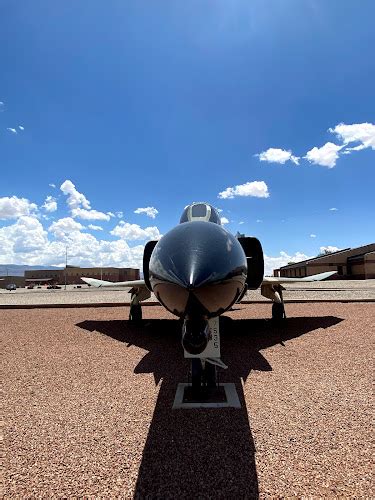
{"x":205,"y":452}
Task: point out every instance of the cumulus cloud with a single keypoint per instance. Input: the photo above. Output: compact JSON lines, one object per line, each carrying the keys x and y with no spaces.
{"x":26,"y":242}
{"x":64,"y":227}
{"x":312,"y":235}
{"x":50,"y":205}
{"x":224,"y":220}
{"x":325,"y":156}
{"x":149,"y":211}
{"x":26,"y":235}
{"x":21,"y":127}
{"x":13,"y":207}
{"x":329,"y":249}
{"x":95,"y":228}
{"x":52,"y":185}
{"x":259,"y":220}
{"x":275,"y":155}
{"x":133,"y":232}
{"x":13,"y":130}
{"x":77,"y":200}
{"x":271,"y":263}
{"x":120,"y":214}
{"x":241,"y":222}
{"x":364,"y":133}
{"x":258,"y":189}
{"x":82,"y":213}
{"x":333,"y":209}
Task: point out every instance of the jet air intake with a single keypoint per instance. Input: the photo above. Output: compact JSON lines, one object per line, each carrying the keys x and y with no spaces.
{"x":195,"y":335}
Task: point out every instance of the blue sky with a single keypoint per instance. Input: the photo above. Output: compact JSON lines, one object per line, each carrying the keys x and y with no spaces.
{"x":158,"y":104}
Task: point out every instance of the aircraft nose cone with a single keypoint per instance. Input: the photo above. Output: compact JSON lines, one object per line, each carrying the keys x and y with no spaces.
{"x":194,"y":254}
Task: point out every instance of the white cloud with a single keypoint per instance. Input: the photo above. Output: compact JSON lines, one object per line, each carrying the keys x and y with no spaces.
{"x":364,"y":133}
{"x":22,"y":238}
{"x":325,"y":156}
{"x":82,"y":213}
{"x":259,"y":220}
{"x":312,"y":235}
{"x":75,"y":198}
{"x":52,"y":185}
{"x":329,"y":248}
{"x":333,"y":209}
{"x":271,"y":263}
{"x":258,"y":189}
{"x":241,"y":222}
{"x":120,"y":214}
{"x":95,"y":228}
{"x":26,"y":242}
{"x":13,"y":207}
{"x":224,"y":220}
{"x":275,"y":155}
{"x":21,"y":127}
{"x":149,"y":211}
{"x":134,"y":232}
{"x":13,"y":130}
{"x":64,"y":227}
{"x":50,"y":205}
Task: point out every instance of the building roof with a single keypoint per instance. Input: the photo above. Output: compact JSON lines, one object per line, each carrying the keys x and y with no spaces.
{"x":307,"y":261}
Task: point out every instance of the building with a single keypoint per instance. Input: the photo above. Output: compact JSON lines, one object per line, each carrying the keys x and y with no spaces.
{"x":73,"y":274}
{"x":350,"y":263}
{"x":19,"y":281}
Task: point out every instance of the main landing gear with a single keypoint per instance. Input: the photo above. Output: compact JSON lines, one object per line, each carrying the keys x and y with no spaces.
{"x":137,"y":294}
{"x":275,"y":293}
{"x":278,"y":308}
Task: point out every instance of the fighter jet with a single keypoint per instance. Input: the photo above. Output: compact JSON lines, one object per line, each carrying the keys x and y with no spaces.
{"x":198,"y":270}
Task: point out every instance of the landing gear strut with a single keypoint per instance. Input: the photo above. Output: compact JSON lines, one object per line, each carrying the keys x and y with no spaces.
{"x":278,"y":309}
{"x":203,"y":378}
{"x":137,"y":294}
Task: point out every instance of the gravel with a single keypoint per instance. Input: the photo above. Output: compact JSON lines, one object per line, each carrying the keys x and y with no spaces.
{"x":87,"y":404}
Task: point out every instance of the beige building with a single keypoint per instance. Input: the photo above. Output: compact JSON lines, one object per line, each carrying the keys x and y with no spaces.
{"x":19,"y":281}
{"x":73,"y":274}
{"x":350,"y":263}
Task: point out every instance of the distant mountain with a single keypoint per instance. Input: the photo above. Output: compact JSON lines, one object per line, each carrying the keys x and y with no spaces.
{"x":15,"y":270}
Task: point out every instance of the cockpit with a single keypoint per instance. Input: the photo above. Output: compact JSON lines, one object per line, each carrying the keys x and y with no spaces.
{"x":200,"y":212}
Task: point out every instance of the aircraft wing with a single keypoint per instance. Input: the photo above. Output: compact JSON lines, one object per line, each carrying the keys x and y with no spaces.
{"x":269,"y":290}
{"x":273,"y":280}
{"x":123,"y":284}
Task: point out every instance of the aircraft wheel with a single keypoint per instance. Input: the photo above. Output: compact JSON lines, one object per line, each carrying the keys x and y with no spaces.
{"x":278,"y":311}
{"x":135,"y":313}
{"x":196,"y":375}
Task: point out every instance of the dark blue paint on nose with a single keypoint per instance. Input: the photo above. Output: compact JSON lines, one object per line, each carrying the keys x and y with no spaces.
{"x":195,"y":254}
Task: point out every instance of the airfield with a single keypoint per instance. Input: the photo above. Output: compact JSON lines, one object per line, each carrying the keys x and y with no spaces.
{"x":88,"y":398}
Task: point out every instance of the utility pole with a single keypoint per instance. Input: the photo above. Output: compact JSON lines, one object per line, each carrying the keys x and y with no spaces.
{"x":66,"y":263}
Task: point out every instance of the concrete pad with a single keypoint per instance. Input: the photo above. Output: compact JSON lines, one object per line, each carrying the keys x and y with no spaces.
{"x":232,"y":400}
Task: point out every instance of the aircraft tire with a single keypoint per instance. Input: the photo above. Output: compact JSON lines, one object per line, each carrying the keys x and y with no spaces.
{"x":278,"y":312}
{"x":135,"y":313}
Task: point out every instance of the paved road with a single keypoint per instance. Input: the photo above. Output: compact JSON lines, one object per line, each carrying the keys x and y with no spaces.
{"x":87,"y":400}
{"x":328,"y":290}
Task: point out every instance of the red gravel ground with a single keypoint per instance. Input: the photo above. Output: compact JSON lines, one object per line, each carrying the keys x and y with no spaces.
{"x":88,"y":405}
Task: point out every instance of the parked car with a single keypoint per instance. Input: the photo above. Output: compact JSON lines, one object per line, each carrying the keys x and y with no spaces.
{"x":30,"y":287}
{"x":12,"y":287}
